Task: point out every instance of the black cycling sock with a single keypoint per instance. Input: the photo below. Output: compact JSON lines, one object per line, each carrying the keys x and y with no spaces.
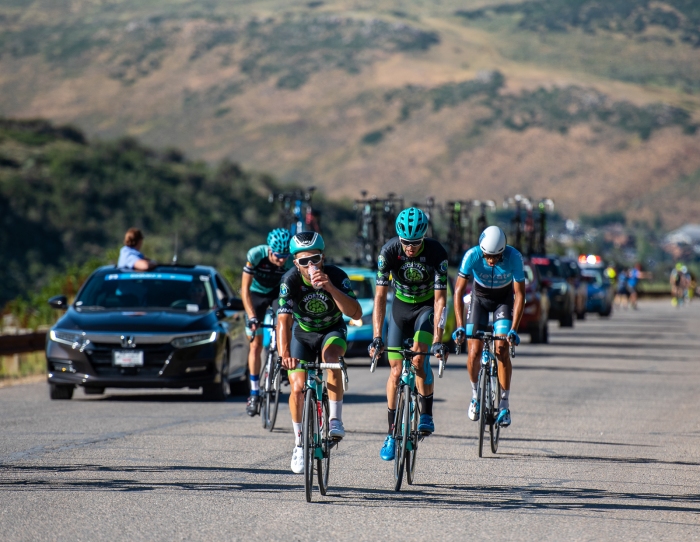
{"x":425,"y":403}
{"x":391,"y":415}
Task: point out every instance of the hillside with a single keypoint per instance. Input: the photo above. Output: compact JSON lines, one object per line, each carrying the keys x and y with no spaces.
{"x":66,"y":201}
{"x":594,"y":104}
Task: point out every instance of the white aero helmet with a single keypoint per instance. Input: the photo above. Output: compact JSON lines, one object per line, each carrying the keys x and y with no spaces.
{"x":492,"y":241}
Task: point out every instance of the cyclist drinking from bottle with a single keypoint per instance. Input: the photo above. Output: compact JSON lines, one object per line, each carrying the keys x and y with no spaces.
{"x":497,"y":269}
{"x":313,"y":299}
{"x":260,"y":284}
{"x":418,"y":267}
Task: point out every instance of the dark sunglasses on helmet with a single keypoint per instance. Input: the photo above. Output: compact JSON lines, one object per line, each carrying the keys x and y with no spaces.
{"x":281,"y":255}
{"x":411,"y":242}
{"x":315,"y":260}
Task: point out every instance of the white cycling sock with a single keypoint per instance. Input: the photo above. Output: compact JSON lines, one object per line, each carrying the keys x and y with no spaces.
{"x":504,"y":399}
{"x":254,"y":385}
{"x":336,"y":410}
{"x":297,"y":433}
{"x":475,"y":393}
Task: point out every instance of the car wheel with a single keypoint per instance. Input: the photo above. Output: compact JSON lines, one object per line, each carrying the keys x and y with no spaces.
{"x":536,"y":334}
{"x":61,"y":391}
{"x":93,"y":390}
{"x":218,"y":391}
{"x":581,"y":315}
{"x":545,"y":333}
{"x":607,"y":311}
{"x":567,"y":320}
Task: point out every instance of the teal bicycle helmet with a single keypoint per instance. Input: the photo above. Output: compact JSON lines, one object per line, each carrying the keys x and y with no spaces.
{"x":306,"y":240}
{"x":278,"y":241}
{"x":411,"y":224}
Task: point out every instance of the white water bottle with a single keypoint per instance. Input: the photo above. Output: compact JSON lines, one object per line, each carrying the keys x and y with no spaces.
{"x":312,"y":271}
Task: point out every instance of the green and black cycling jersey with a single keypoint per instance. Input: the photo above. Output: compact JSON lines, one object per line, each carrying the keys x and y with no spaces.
{"x":266,"y":275}
{"x":313,"y":310}
{"x":416,"y":278}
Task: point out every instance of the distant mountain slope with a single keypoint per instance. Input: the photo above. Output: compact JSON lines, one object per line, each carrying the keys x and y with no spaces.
{"x":592,"y":103}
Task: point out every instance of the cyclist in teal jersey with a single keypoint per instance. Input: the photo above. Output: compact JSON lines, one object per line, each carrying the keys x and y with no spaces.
{"x":499,"y":288}
{"x":313,"y":298}
{"x":263,"y":271}
{"x":418,"y":267}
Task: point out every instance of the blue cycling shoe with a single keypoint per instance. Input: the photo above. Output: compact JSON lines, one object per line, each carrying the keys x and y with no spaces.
{"x":503,"y":418}
{"x":426,"y":424}
{"x":388,"y":451}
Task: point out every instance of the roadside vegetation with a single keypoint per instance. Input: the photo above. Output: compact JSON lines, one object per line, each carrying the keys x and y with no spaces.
{"x":65,"y":204}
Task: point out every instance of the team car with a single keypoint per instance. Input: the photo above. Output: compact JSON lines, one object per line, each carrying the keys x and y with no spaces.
{"x":172,"y":327}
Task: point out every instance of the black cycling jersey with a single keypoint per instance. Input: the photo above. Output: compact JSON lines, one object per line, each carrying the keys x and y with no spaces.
{"x":313,"y":310}
{"x":415,"y":279}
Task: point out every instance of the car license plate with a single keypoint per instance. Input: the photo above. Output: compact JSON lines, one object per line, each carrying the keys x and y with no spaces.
{"x":128,"y":358}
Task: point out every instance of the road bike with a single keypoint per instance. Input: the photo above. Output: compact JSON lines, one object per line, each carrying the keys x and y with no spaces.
{"x":405,"y":430}
{"x":316,"y":441}
{"x":270,"y":377}
{"x":489,"y":390}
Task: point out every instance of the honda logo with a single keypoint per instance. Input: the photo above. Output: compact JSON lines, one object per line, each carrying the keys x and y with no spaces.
{"x":128,"y":341}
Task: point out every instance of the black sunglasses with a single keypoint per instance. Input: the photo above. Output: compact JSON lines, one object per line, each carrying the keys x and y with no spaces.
{"x":304,"y":262}
{"x":411,"y":243}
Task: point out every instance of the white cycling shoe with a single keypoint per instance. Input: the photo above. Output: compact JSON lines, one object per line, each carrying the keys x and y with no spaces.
{"x":298,"y":460}
{"x":336,"y":429}
{"x":473,"y":412}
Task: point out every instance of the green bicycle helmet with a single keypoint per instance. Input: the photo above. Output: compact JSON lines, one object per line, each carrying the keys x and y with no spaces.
{"x":306,"y":240}
{"x":278,"y":241}
{"x":411,"y":224}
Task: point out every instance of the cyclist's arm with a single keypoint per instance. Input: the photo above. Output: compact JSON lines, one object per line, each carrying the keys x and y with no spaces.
{"x":284,"y":334}
{"x":440,"y":303}
{"x":347,"y":305}
{"x":379,"y":310}
{"x":246,"y":281}
{"x":519,"y":305}
{"x":460,"y":288}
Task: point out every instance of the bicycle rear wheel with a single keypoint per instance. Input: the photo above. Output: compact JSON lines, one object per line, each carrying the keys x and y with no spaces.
{"x":494,"y":428}
{"x":309,"y":428}
{"x":400,"y":436}
{"x":483,"y":407}
{"x":323,"y":465}
{"x":413,"y":441}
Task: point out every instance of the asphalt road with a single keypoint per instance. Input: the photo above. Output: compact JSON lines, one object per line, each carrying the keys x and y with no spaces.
{"x":605,"y":444}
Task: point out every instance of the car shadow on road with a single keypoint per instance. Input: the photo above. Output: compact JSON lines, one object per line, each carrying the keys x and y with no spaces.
{"x":160,"y":398}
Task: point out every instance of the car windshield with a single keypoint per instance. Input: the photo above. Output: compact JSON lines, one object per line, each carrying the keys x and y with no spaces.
{"x":548,"y":268}
{"x":595,"y":274}
{"x":190,"y":292}
{"x":362,"y":288}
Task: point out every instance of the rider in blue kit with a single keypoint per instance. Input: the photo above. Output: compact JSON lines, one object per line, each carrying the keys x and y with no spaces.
{"x":499,"y":288}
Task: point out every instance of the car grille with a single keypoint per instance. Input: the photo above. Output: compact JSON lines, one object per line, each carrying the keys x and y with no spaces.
{"x":154,"y":356}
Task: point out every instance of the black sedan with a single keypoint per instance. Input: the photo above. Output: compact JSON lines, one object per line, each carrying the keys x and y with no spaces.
{"x":173,"y":327}
{"x":562,"y":299}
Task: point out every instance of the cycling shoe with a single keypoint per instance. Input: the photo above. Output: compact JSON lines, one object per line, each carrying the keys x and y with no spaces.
{"x":503,"y":418}
{"x":473,"y":412}
{"x":426,"y":424}
{"x":389,"y":449}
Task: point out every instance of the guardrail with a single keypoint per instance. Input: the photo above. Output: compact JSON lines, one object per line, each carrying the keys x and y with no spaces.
{"x":20,"y":344}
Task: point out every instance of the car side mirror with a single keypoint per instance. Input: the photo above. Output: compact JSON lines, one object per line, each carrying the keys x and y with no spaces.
{"x":59,"y":302}
{"x":235,"y":304}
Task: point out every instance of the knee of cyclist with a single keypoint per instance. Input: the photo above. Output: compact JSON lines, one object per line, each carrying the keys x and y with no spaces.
{"x":396,"y":372}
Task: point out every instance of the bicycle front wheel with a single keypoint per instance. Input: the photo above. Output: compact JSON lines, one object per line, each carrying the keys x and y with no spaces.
{"x":323,"y":465}
{"x":265,"y":386}
{"x":412,"y":447}
{"x":401,"y":435}
{"x":309,"y":428}
{"x":484,"y":396}
{"x":494,"y":428}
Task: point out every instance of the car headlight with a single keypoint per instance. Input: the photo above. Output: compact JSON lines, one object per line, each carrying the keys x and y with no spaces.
{"x":67,"y":337}
{"x":194,"y":340}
